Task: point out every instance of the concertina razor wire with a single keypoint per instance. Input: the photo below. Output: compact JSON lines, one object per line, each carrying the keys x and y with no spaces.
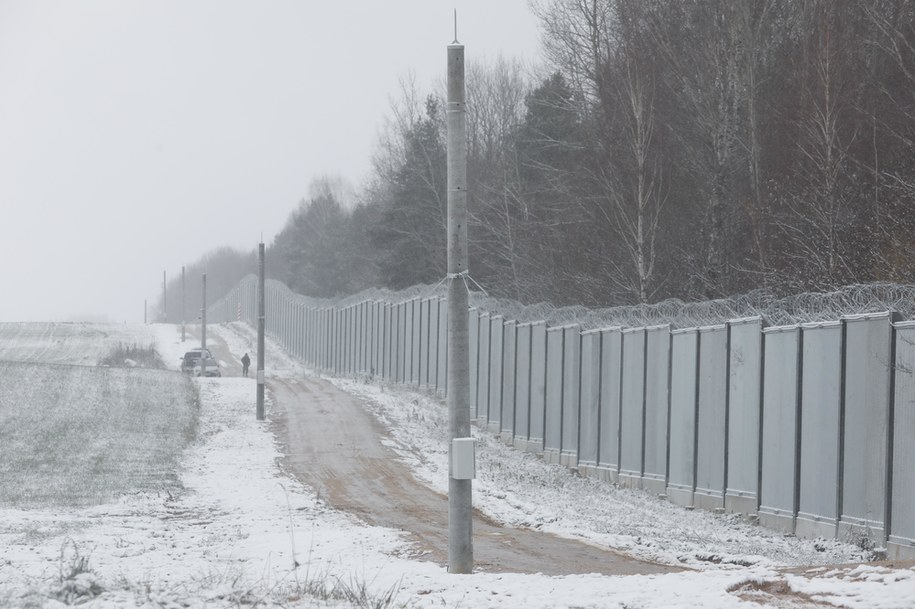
{"x":775,"y":310}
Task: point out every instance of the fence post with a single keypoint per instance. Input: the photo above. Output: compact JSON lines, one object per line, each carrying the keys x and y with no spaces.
{"x":460,"y":523}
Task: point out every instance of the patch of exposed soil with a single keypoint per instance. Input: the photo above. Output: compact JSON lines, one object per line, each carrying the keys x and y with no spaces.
{"x":333,"y":445}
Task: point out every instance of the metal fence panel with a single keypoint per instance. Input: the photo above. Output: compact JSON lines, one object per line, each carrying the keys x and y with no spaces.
{"x":377,"y":336}
{"x":401,"y":333}
{"x":317,"y":347}
{"x":684,"y":391}
{"x":496,"y":355}
{"x":425,"y":341}
{"x":356,"y":337}
{"x":416,"y":341}
{"x":483,"y":380}
{"x":712,"y":428}
{"x":364,"y":336}
{"x":571,"y":379}
{"x":310,"y":336}
{"x":389,"y":341}
{"x":868,"y":390}
{"x":339,"y":340}
{"x":744,"y":404}
{"x":293,"y":329}
{"x":538,"y":386}
{"x":408,"y":343}
{"x":360,"y":338}
{"x":354,"y":342}
{"x":400,"y":338}
{"x":632,"y":408}
{"x":303,"y":332}
{"x":356,"y":328}
{"x":320,"y":348}
{"x":350,"y":340}
{"x":368,"y":354}
{"x":509,"y":367}
{"x":589,"y":418}
{"x":657,"y":405}
{"x":522,"y":384}
{"x":902,"y":510}
{"x":821,"y":399}
{"x":441,"y":376}
{"x":610,"y":383}
{"x":474,"y":346}
{"x":552,"y":431}
{"x":780,"y":428}
{"x":296,"y":310}
{"x":405,"y":340}
{"x":330,"y":335}
{"x":329,"y":328}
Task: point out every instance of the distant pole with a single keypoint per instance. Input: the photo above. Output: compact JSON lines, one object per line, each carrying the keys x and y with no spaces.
{"x":460,"y":514}
{"x":183,"y":298}
{"x":203,"y":316}
{"x":164,"y":301}
{"x":260,"y":331}
{"x":144,"y":311}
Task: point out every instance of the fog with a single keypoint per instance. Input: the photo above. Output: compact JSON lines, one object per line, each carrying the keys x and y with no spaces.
{"x":136,"y":137}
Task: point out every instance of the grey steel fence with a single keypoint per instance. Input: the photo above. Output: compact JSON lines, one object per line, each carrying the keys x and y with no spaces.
{"x":811,"y":426}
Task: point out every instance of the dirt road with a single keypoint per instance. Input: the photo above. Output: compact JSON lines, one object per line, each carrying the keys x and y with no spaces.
{"x":333,"y":445}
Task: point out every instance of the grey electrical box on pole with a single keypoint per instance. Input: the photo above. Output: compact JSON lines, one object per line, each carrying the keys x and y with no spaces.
{"x":260,"y":331}
{"x":203,"y":319}
{"x":460,"y":504}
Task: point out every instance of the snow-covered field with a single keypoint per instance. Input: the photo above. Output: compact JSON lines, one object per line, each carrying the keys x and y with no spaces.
{"x":70,"y":343}
{"x":235,"y":533}
{"x":81,"y":435}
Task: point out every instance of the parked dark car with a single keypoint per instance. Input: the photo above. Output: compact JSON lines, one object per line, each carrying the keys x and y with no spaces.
{"x":192,"y":358}
{"x":207,"y":367}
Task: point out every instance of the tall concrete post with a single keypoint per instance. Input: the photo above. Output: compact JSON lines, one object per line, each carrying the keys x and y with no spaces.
{"x":260,"y":331}
{"x":182,"y":304}
{"x":203,"y":316}
{"x":164,"y":301}
{"x":460,"y":509}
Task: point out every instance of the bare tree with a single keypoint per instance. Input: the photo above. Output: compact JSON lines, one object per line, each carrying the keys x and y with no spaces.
{"x":635,"y":186}
{"x":495,"y":111}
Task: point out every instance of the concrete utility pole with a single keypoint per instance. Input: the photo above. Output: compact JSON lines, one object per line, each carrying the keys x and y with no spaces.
{"x":460,"y":513}
{"x":203,"y":319}
{"x":260,"y":331}
{"x":164,"y":301}
{"x":144,"y":311}
{"x":182,"y":304}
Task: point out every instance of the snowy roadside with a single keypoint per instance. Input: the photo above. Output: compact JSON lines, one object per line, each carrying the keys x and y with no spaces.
{"x":519,"y":489}
{"x":233,"y":535}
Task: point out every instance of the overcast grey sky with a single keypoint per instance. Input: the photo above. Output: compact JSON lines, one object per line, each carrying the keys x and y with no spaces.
{"x":137,"y":136}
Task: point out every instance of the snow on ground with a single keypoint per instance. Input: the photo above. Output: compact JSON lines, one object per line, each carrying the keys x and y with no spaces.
{"x":234,"y":534}
{"x":520,"y":489}
{"x":69,"y":343}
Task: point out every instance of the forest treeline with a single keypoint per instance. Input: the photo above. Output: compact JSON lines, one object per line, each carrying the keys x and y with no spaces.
{"x":691,"y":149}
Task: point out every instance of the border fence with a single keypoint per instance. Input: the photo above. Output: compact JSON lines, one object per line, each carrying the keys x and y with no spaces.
{"x":808,"y":425}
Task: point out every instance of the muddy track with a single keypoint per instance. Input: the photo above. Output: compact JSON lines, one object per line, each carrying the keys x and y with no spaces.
{"x":334,"y":445}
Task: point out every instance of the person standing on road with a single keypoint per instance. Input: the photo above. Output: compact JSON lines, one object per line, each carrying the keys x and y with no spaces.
{"x":245,"y":362}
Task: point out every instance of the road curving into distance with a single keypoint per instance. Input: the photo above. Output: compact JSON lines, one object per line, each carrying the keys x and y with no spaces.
{"x":335,"y":446}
